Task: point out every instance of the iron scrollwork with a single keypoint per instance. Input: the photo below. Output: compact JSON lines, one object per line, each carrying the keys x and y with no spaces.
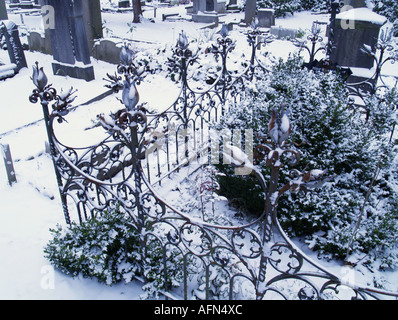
{"x":216,"y":259}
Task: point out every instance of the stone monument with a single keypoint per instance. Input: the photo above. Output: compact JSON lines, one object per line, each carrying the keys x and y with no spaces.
{"x":250,"y":12}
{"x":69,"y":42}
{"x":92,"y":20}
{"x":354,"y":29}
{"x":9,"y":30}
{"x":205,"y":11}
{"x":3,"y":10}
{"x":266,"y":18}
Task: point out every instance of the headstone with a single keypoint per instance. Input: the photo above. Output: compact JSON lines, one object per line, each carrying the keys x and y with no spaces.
{"x":93,"y":21}
{"x":3,"y":10}
{"x":204,"y":6}
{"x":282,"y":33}
{"x":250,"y":11}
{"x":354,"y":29}
{"x":124,"y":4}
{"x":205,"y":11}
{"x":15,"y":50}
{"x":69,"y":40}
{"x":107,"y":51}
{"x":38,"y":43}
{"x":266,"y":18}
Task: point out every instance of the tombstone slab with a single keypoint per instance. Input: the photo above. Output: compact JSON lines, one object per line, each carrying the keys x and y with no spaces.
{"x":15,"y":50}
{"x":38,"y":43}
{"x":93,"y":21}
{"x":3,"y":10}
{"x":106,"y":50}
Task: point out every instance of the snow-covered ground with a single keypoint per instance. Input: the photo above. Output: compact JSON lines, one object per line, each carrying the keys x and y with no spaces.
{"x":31,"y":206}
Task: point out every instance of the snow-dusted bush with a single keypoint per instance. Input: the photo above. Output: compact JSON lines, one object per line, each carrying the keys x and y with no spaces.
{"x":281,"y":7}
{"x":337,"y":138}
{"x":389,"y":9}
{"x":108,"y":248}
{"x":285,"y":7}
{"x":315,"y":5}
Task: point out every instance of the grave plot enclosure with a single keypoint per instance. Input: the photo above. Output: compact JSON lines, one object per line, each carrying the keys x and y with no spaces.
{"x":145,"y":157}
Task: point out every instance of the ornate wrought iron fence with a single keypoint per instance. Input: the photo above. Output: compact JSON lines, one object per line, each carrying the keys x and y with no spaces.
{"x":199,"y":258}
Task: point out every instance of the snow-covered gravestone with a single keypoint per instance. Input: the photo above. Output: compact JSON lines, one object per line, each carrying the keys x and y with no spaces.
{"x":9,"y":31}
{"x":266,"y":18}
{"x":353,"y":29}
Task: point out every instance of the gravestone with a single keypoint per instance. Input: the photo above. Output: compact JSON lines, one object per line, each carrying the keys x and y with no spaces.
{"x":69,"y":40}
{"x":124,"y":4}
{"x":9,"y":30}
{"x":354,"y":29}
{"x":5,"y":150}
{"x":204,"y":6}
{"x":266,"y":18}
{"x":205,"y":11}
{"x":250,"y":11}
{"x":38,"y":43}
{"x":106,"y":50}
{"x":93,"y":21}
{"x":3,"y":10}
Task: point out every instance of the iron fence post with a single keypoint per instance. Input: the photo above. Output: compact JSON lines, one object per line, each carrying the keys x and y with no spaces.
{"x":47,"y":94}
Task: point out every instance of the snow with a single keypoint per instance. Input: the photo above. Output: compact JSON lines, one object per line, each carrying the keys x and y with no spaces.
{"x":30,"y":207}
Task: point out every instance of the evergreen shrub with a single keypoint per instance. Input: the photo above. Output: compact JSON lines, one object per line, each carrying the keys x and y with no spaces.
{"x":334,"y":136}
